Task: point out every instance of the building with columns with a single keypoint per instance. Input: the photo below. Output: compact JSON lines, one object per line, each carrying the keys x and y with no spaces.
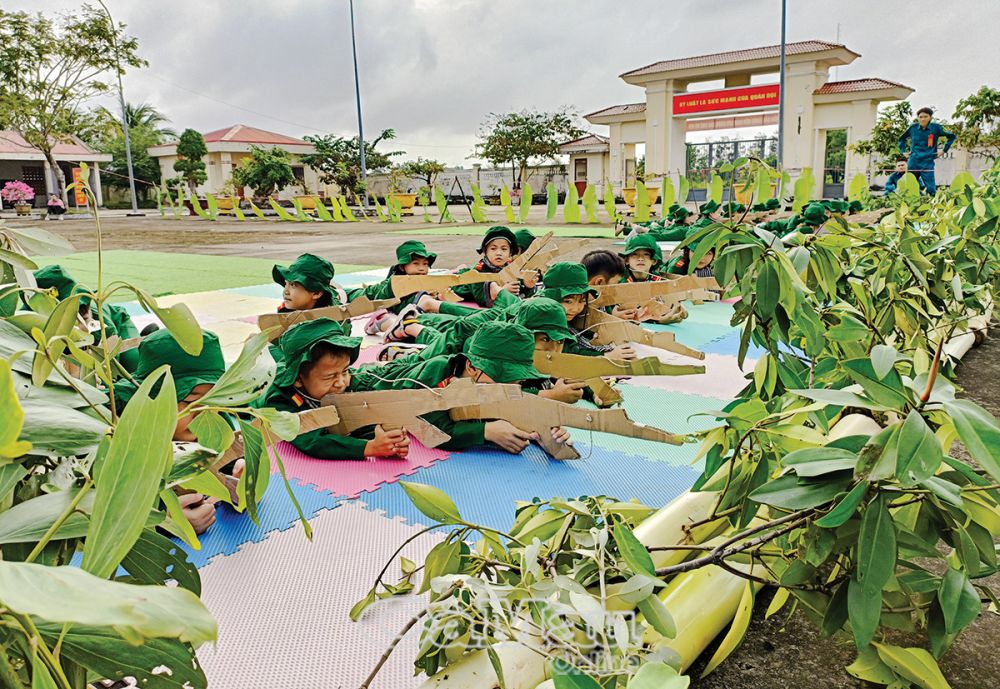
{"x":226,"y":150}
{"x":674,"y":105}
{"x":20,"y":161}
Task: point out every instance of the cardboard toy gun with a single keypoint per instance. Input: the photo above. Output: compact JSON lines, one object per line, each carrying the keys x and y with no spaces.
{"x":579,"y":367}
{"x":539,"y":415}
{"x":361,"y":306}
{"x":531,"y":259}
{"x":671,"y":291}
{"x":612,"y":330}
{"x":115,"y":345}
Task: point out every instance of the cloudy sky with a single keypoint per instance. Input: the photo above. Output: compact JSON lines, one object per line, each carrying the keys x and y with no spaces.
{"x":432,"y":69}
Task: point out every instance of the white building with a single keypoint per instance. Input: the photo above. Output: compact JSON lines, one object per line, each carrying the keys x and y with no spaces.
{"x":20,"y":161}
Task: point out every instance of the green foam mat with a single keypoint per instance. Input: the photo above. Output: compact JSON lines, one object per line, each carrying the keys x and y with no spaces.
{"x":667,"y":410}
{"x":162,"y":273}
{"x":585,"y":231}
{"x":709,"y":313}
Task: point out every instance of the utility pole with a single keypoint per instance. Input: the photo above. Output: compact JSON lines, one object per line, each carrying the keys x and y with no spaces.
{"x":357,"y":96}
{"x":781,"y":89}
{"x":121,"y":98}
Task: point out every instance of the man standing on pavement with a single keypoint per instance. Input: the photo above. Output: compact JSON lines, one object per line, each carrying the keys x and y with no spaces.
{"x":924,"y":136}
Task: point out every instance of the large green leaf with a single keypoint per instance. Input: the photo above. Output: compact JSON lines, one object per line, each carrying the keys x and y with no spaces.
{"x":551,"y":201}
{"x":432,"y":502}
{"x":505,"y":201}
{"x":571,"y":208}
{"x":792,"y":493}
{"x":959,"y":601}
{"x":138,"y":457}
{"x":29,"y":520}
{"x":178,"y":319}
{"x":844,"y":509}
{"x":738,"y":630}
{"x":60,"y":324}
{"x":155,"y":559}
{"x":876,"y":558}
{"x":864,"y":610}
{"x":858,"y":188}
{"x":914,"y":664}
{"x":918,"y":451}
{"x":633,"y":552}
{"x":609,"y":203}
{"x":816,"y":461}
{"x":658,"y":676}
{"x":246,"y":379}
{"x":108,"y":655}
{"x":715,"y":188}
{"x":803,"y":190}
{"x":12,"y":419}
{"x":526,"y":193}
{"x":70,"y":595}
{"x":979,"y":432}
{"x":59,"y":431}
{"x":642,"y":204}
{"x":887,"y":390}
{"x":589,"y":203}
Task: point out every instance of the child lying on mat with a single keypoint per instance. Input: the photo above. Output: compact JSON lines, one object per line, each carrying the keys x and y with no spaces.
{"x":644,"y":263}
{"x":497,"y":353}
{"x":193,"y":377}
{"x":316,"y":361}
{"x":308,"y":284}
{"x":681,"y":265}
{"x":412,"y":258}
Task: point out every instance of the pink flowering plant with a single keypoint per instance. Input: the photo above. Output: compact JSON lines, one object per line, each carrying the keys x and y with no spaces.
{"x":17,"y":192}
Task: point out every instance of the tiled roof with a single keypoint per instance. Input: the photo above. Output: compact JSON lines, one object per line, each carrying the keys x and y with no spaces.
{"x":770,"y":51}
{"x":626,"y":109}
{"x":241,"y":133}
{"x":12,"y":142}
{"x":589,"y":141}
{"x":855,"y":85}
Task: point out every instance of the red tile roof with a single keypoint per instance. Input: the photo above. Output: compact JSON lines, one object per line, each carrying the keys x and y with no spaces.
{"x":856,"y":85}
{"x":12,"y":142}
{"x":770,"y":51}
{"x":588,"y":140}
{"x":241,"y":133}
{"x":626,"y":109}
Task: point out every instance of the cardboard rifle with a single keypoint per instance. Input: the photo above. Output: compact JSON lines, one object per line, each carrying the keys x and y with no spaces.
{"x":535,"y":258}
{"x":361,"y":306}
{"x":539,"y":415}
{"x":579,"y":367}
{"x":670,"y":291}
{"x":467,"y":401}
{"x":612,"y":330}
{"x":309,"y":420}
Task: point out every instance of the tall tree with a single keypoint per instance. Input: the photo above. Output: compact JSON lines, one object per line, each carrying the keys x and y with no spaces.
{"x":265,"y":170}
{"x":427,"y":170}
{"x":145,"y":130}
{"x":49,"y":68}
{"x":979,"y":118}
{"x":190,"y":151}
{"x":338,"y":159}
{"x":517,"y":138}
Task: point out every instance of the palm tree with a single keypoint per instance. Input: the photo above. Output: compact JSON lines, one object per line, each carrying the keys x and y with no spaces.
{"x":142,"y":115}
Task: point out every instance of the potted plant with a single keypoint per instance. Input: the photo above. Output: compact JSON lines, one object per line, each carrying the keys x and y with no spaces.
{"x":397,"y":176}
{"x":226,"y":196}
{"x":19,"y":195}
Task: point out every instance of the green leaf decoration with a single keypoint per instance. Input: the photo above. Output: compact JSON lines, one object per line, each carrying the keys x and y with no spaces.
{"x":346,"y":210}
{"x":282,"y":213}
{"x":609,"y":203}
{"x":551,"y":201}
{"x":526,"y":194}
{"x":737,"y":631}
{"x":590,"y":203}
{"x":506,"y":203}
{"x":669,"y":195}
{"x":70,"y":595}
{"x":256,"y":210}
{"x":432,"y":502}
{"x":322,"y":212}
{"x":137,"y":459}
{"x":803,"y":190}
{"x":213,"y":206}
{"x":715,"y":188}
{"x":683,"y":188}
{"x":378,"y":210}
{"x":641,"y":202}
{"x":442,"y":205}
{"x":858,"y":189}
{"x":913,"y":664}
{"x":571,"y":209}
{"x":199,"y":211}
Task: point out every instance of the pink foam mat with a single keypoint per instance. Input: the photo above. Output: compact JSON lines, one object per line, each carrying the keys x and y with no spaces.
{"x":722,"y":379}
{"x":349,"y":478}
{"x":282,"y":605}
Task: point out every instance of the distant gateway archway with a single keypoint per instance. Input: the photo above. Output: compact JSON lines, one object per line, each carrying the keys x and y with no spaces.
{"x":814,"y":105}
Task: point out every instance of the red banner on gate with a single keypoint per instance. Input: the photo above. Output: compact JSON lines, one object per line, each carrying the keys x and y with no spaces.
{"x":80,"y":196}
{"x":727,"y":99}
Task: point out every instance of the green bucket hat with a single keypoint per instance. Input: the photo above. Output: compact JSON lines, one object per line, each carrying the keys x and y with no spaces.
{"x":503,"y":351}
{"x":524,"y":239}
{"x":297,"y":344}
{"x":709,"y":207}
{"x":680,"y":214}
{"x":188,"y":371}
{"x":499,"y":232}
{"x":855,"y":207}
{"x":564,"y":279}
{"x":310,"y":271}
{"x":642,"y":241}
{"x":835,"y":206}
{"x":731,"y":208}
{"x":814,"y":215}
{"x":544,"y":315}
{"x":56,"y":277}
{"x":409,"y":250}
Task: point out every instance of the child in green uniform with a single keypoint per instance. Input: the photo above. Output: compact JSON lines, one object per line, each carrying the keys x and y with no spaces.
{"x":497,"y":353}
{"x":117,"y":321}
{"x":194,"y":376}
{"x":498,"y":249}
{"x":308,"y":284}
{"x":412,"y":258}
{"x":316,"y":360}
{"x":644,"y":263}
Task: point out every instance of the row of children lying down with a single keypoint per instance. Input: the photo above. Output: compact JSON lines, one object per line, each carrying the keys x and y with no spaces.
{"x":316,"y":358}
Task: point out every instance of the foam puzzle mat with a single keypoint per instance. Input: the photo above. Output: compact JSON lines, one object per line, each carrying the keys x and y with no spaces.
{"x":282,"y":600}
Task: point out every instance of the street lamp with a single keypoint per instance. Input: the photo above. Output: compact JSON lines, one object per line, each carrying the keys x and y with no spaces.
{"x":121,"y":98}
{"x":357,"y":96}
{"x":781,"y":90}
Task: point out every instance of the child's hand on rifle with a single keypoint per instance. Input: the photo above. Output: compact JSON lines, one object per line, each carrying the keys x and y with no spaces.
{"x":622,"y":352}
{"x":625,"y":314}
{"x":394,"y":443}
{"x":507,"y":436}
{"x":568,"y":391}
{"x":199,"y":510}
{"x":561,"y":435}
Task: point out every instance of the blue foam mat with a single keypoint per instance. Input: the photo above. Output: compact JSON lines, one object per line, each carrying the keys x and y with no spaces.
{"x":484,"y":483}
{"x":729,"y":345}
{"x":276,"y":513}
